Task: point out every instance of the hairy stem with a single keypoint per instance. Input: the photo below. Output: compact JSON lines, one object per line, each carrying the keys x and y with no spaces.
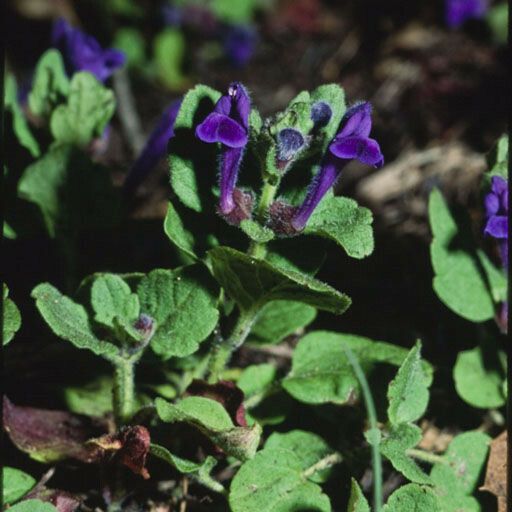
{"x":326,"y":462}
{"x":424,"y":456}
{"x":124,"y":390}
{"x":268,"y":193}
{"x":372,"y":419}
{"x":222,"y":352}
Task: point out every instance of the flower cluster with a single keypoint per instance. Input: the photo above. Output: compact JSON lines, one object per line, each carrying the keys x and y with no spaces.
{"x":228,"y":125}
{"x":82,"y":52}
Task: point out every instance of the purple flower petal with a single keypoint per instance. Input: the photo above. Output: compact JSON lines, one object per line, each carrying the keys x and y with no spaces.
{"x":499,"y":185}
{"x":289,"y":141}
{"x":497,"y":226}
{"x":357,"y":121}
{"x":221,"y":128}
{"x":492,"y":204}
{"x":365,"y":150}
{"x":458,"y":11}
{"x":321,"y":113}
{"x":231,"y":159}
{"x":242,"y":104}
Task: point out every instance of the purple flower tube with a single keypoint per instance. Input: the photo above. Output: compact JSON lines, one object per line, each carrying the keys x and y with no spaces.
{"x":81,"y":52}
{"x":351,"y":143}
{"x":229,"y":125}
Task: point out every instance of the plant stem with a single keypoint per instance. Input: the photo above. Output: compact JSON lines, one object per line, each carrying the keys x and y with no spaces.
{"x":431,"y":458}
{"x":326,"y":462}
{"x":221,"y":353}
{"x":372,"y":419}
{"x":268,"y":193}
{"x":124,"y":390}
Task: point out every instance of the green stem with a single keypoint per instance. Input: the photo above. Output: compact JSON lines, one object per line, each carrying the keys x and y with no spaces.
{"x":372,"y":419}
{"x":268,"y":193}
{"x":431,"y":458}
{"x":326,"y":462}
{"x":124,"y":390}
{"x":222,"y":352}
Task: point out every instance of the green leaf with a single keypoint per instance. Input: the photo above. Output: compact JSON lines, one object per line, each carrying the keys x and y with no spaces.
{"x":408,"y":392}
{"x":357,"y":501}
{"x":19,"y":123}
{"x":111,"y":297}
{"x":479,"y":377}
{"x":88,"y":110}
{"x":279,"y":319}
{"x":309,"y":448}
{"x":394,"y":445}
{"x":183,"y":303}
{"x":198,"y":471}
{"x":413,"y":498}
{"x":341,"y":220}
{"x":168,"y":57}
{"x":176,"y":232}
{"x":50,"y":85}
{"x":16,"y":484}
{"x":11,"y":319}
{"x":322,"y":373}
{"x":256,"y":232}
{"x":461,"y":280}
{"x":256,"y":378}
{"x":273,"y":480}
{"x":69,"y":321}
{"x":190,"y":159}
{"x":251,"y":283}
{"x":213,"y":420}
{"x":33,"y":506}
{"x":465,"y":459}
{"x":497,"y":18}
{"x":71,"y":192}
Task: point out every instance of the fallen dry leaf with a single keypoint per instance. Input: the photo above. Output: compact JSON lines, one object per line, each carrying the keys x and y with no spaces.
{"x":496,"y":473}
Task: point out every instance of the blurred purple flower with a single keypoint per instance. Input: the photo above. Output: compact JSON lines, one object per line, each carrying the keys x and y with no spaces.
{"x":155,"y":148}
{"x":81,"y":52}
{"x":496,"y":209}
{"x":351,"y":143}
{"x":458,"y":11}
{"x":229,"y":125}
{"x":239,"y":43}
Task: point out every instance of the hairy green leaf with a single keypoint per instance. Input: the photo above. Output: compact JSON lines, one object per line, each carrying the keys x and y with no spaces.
{"x":394,"y":445}
{"x":19,"y":123}
{"x":176,"y":232}
{"x":279,"y":319}
{"x":88,"y":110}
{"x":341,"y":220}
{"x":357,"y":501}
{"x":413,"y":498}
{"x":183,"y":303}
{"x":50,"y":85}
{"x":408,"y":392}
{"x":16,"y":484}
{"x":274,"y":480}
{"x":33,"y":506}
{"x":11,"y":319}
{"x":334,"y":96}
{"x":464,"y":279}
{"x":256,"y":232}
{"x":190,"y":159}
{"x":213,"y":420}
{"x":69,"y":321}
{"x":252,"y":283}
{"x":111,"y":297}
{"x":198,"y":471}
{"x":321,"y":372}
{"x":479,"y":377}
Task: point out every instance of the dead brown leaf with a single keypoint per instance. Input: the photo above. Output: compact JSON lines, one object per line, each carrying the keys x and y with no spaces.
{"x":496,"y":473}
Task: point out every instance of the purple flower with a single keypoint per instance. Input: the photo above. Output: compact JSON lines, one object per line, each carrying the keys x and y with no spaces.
{"x":239,"y":43}
{"x":229,"y":125}
{"x":458,"y":11}
{"x":155,"y":148}
{"x":81,"y":52}
{"x":351,"y":143}
{"x":289,"y":142}
{"x":496,"y":209}
{"x":321,"y":114}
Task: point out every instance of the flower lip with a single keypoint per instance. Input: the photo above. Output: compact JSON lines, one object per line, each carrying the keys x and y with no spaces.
{"x":496,"y":206}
